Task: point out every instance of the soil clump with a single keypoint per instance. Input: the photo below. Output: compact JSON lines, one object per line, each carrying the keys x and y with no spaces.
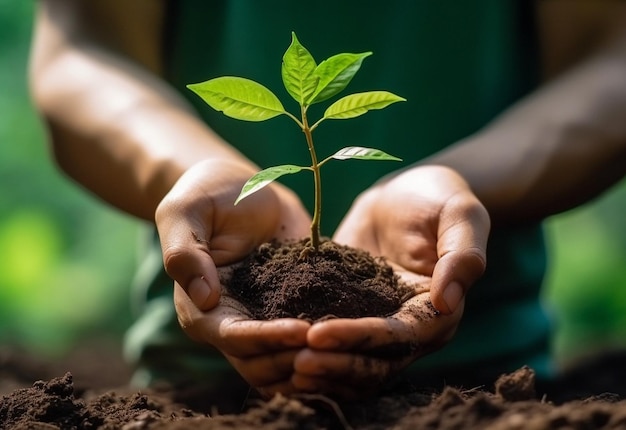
{"x":283,"y":280}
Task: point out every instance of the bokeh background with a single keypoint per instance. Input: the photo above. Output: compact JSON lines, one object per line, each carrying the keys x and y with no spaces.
{"x":66,"y":259}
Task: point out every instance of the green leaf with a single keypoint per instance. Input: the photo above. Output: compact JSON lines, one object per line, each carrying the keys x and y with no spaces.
{"x":239,"y":98}
{"x":361,"y":153}
{"x":357,"y":104}
{"x":266,"y":177}
{"x":297,"y":71}
{"x":335,"y":74}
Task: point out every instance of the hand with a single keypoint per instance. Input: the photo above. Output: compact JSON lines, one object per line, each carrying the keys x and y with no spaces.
{"x":200,"y":228}
{"x":261,"y":351}
{"x":201,"y":233}
{"x":431,"y":228}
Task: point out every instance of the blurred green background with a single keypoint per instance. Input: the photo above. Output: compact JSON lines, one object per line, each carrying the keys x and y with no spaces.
{"x":66,"y":259}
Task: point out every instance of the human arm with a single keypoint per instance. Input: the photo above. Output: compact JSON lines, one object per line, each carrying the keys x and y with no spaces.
{"x":565,"y":143}
{"x":555,"y":149}
{"x":115,"y":126}
{"x":433,"y":231}
{"x":122,"y":132}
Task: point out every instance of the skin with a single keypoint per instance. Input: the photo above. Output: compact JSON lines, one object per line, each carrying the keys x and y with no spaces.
{"x":134,"y":142}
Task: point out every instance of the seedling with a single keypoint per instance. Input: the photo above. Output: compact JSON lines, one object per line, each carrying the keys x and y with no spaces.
{"x":308,"y":83}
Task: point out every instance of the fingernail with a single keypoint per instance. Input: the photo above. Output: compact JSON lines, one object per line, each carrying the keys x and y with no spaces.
{"x":199,"y":292}
{"x":452,"y":295}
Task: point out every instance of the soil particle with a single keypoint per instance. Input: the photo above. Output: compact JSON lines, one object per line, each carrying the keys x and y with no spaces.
{"x":517,"y":386}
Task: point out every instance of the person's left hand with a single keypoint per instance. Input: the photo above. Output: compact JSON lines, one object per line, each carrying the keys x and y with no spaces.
{"x":433,"y":231}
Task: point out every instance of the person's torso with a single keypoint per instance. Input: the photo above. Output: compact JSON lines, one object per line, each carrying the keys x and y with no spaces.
{"x":458,"y":64}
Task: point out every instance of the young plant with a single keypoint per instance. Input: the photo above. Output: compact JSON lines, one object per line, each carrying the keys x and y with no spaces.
{"x":308,"y":83}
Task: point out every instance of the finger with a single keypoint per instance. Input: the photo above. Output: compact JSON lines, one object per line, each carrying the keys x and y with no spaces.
{"x":186,"y":258}
{"x":229,"y":328}
{"x":353,"y":369}
{"x":343,"y":375}
{"x":266,"y":370}
{"x":187,"y":313}
{"x":415,"y":330}
{"x":247,"y":338}
{"x":462,"y":249}
{"x":454,"y":274}
{"x":359,"y":334}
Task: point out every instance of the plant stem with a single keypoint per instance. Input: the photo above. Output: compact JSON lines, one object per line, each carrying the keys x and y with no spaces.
{"x":317,"y":211}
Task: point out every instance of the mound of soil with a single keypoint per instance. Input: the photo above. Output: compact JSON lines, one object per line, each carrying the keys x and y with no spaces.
{"x":282,"y":280}
{"x":513,"y":404}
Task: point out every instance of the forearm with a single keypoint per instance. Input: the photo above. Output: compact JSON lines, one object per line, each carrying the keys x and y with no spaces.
{"x":115,"y":127}
{"x":124,"y":140}
{"x":554,"y":150}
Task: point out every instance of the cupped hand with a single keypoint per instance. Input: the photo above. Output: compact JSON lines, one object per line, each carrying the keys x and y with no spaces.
{"x":433,"y":231}
{"x":201,"y":229}
{"x":201,"y":234}
{"x":262,"y":352}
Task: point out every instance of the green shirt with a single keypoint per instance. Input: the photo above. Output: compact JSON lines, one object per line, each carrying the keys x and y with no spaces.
{"x":459,"y":64}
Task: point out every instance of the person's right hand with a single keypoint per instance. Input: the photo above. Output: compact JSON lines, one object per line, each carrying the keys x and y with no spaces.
{"x":200,"y":231}
{"x":432,"y":230}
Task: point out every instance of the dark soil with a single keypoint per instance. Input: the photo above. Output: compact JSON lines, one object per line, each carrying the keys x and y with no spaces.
{"x":88,"y":390}
{"x":513,"y":402}
{"x":294,"y":280}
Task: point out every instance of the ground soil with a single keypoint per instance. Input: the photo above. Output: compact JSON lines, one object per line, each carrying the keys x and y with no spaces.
{"x":89,"y":389}
{"x":512,"y":402}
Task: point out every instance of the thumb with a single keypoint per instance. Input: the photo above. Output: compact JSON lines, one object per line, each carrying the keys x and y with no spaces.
{"x":462,"y":249}
{"x":453,"y":274}
{"x":187,"y":260}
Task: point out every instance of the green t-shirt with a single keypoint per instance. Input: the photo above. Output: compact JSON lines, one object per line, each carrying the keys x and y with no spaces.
{"x":459,"y":64}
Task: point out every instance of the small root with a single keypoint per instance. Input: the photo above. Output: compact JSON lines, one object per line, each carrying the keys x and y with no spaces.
{"x":329,"y":402}
{"x":306,"y":254}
